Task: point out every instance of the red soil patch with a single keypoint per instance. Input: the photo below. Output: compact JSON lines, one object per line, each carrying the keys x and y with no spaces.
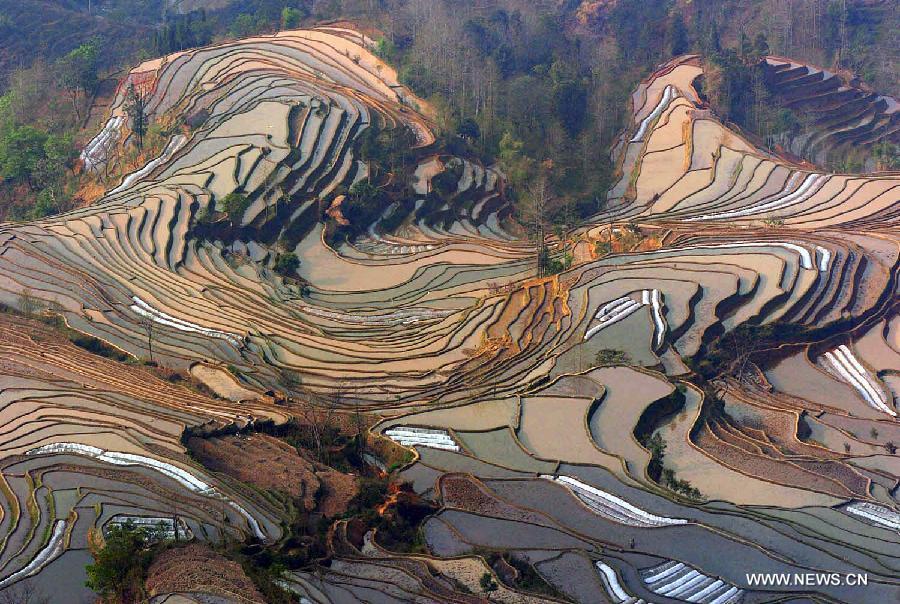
{"x":335,"y":211}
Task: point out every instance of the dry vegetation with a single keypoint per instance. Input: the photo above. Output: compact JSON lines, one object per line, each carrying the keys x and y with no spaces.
{"x":196,"y":569}
{"x":260,"y":460}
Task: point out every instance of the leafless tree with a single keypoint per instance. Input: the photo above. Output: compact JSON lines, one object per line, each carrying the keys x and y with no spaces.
{"x":538,"y":198}
{"x":148,"y":324}
{"x":843,"y":34}
{"x":23,"y":592}
{"x":360,"y":425}
{"x":136,"y":108}
{"x":317,"y":412}
{"x":27,"y":302}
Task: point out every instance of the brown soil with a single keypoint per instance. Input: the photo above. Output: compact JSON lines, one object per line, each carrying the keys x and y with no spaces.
{"x":466,"y":493}
{"x":337,"y":491}
{"x":197,"y":569}
{"x":31,"y":348}
{"x":260,"y":460}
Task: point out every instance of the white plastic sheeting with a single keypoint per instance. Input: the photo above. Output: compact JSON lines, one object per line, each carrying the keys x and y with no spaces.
{"x":877,"y":514}
{"x":620,"y":308}
{"x":824,"y":256}
{"x":668,"y":94}
{"x":183,"y":477}
{"x":612,"y":313}
{"x":96,"y":152}
{"x":48,"y":553}
{"x":174,"y":144}
{"x":611,"y":580}
{"x":157,"y":316}
{"x":806,"y":259}
{"x":845,"y":364}
{"x":177,"y":474}
{"x":403,"y":316}
{"x":784,"y":199}
{"x":658,"y":319}
{"x":166,"y":525}
{"x":397,"y":248}
{"x":423,"y":437}
{"x":679,"y":581}
{"x":613,"y":507}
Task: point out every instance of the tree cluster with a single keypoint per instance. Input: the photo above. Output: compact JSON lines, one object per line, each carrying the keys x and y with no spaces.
{"x":666,"y":476}
{"x":179,"y":32}
{"x":235,"y":204}
{"x":734,"y":84}
{"x":287,"y":264}
{"x":77,"y":72}
{"x":515,"y":82}
{"x":117,"y":573}
{"x":364,"y":203}
{"x":37,"y":127}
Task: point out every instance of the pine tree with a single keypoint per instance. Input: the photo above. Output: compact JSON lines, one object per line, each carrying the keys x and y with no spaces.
{"x":746,"y":49}
{"x":678,"y":36}
{"x":714,"y":43}
{"x":136,"y":108}
{"x":761,"y":45}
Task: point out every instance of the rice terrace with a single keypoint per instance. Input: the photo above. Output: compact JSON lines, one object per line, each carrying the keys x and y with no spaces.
{"x":303,"y":326}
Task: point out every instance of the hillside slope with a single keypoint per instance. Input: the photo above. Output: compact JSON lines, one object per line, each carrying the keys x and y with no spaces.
{"x":705,"y":383}
{"x":48,"y":29}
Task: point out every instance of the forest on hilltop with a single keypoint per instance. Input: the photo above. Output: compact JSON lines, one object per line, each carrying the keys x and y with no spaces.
{"x":540,"y":86}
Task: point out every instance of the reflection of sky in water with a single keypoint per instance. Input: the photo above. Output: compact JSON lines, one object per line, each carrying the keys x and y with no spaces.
{"x":62,"y":581}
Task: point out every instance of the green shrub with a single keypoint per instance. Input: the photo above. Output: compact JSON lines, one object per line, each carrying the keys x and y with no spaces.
{"x":886,"y":155}
{"x":117,"y":573}
{"x":487,"y":583}
{"x":445,"y":184}
{"x":385,"y":49}
{"x":290,"y":17}
{"x":608,"y":356}
{"x":657,"y":447}
{"x":287,"y":264}
{"x":529,"y":579}
{"x":554,"y":266}
{"x":245,"y":25}
{"x":363,"y":204}
{"x":602,"y":248}
{"x":372,"y":492}
{"x":235,"y":205}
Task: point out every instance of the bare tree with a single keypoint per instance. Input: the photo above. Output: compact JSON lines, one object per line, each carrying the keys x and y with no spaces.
{"x":317,"y":414}
{"x":148,"y":324}
{"x":23,"y":592}
{"x":360,"y":425}
{"x":843,"y":35}
{"x":538,"y":196}
{"x":27,"y":302}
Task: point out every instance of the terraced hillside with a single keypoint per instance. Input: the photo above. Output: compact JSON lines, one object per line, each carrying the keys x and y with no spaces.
{"x":842,"y":116}
{"x":709,"y":390}
{"x":89,"y":443}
